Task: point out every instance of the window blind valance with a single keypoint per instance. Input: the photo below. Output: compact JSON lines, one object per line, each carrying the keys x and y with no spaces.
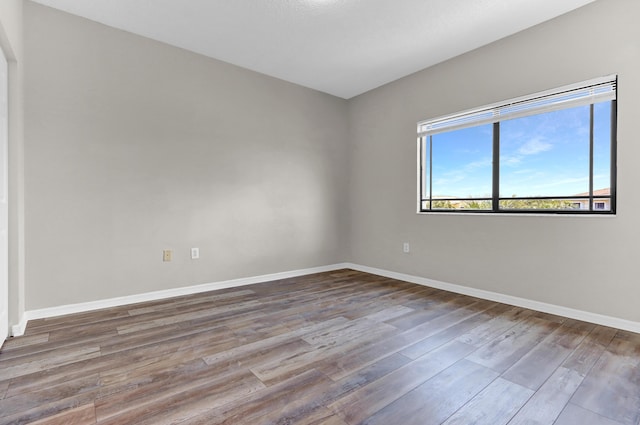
{"x":584,"y":93}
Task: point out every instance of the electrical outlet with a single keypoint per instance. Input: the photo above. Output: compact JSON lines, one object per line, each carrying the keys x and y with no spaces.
{"x":406,"y":248}
{"x":166,"y":255}
{"x":195,"y":253}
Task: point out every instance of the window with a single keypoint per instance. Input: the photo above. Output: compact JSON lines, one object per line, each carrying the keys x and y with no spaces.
{"x":550,"y":152}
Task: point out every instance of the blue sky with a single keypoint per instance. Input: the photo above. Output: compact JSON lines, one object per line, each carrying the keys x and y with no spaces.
{"x":540,"y":155}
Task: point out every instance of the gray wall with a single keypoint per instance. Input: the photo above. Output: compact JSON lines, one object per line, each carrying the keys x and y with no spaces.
{"x":583,"y":263}
{"x":133,"y":146}
{"x":11,"y":41}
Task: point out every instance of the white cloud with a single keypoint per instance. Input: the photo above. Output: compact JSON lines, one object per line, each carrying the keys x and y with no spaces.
{"x":510,"y":161}
{"x":482,"y":163}
{"x":534,"y":146}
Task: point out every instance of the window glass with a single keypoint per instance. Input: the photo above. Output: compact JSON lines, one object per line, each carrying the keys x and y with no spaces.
{"x":545,"y":155}
{"x":462,"y":163}
{"x":602,"y":153}
{"x":550,"y":152}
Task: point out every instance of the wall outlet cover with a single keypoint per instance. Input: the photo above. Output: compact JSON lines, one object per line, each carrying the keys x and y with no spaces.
{"x":166,"y":255}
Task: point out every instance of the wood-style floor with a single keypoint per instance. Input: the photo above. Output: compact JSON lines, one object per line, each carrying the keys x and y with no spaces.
{"x":333,"y":348}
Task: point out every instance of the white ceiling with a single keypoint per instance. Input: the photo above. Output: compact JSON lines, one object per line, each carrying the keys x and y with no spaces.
{"x":341,"y":47}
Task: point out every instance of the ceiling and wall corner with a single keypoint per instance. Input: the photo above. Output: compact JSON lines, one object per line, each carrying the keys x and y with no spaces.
{"x":341,"y":47}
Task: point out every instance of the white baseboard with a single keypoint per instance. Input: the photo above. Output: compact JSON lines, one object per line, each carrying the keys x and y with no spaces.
{"x":614,"y":322}
{"x":19,"y":329}
{"x":571,"y":313}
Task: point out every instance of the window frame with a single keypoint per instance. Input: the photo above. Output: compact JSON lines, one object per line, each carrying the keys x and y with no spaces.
{"x":495,"y":198}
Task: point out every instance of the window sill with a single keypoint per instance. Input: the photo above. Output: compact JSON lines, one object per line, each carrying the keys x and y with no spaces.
{"x":507,"y":214}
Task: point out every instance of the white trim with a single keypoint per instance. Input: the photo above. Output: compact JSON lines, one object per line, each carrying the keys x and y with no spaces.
{"x":568,"y":96}
{"x":600,"y":319}
{"x":18,"y":330}
{"x":507,"y":214}
{"x":571,"y":313}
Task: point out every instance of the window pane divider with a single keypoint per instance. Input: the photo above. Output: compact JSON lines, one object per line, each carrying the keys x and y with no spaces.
{"x":496,"y":167}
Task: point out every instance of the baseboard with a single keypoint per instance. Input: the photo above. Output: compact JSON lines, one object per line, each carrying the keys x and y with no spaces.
{"x":585,"y":316}
{"x":614,"y":322}
{"x":19,"y":329}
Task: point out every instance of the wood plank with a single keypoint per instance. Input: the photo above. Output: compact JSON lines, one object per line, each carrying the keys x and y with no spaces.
{"x":186,"y":317}
{"x":438,"y":398}
{"x":590,"y":350}
{"x":83,"y":415}
{"x":495,"y":405}
{"x":149,"y":337}
{"x":46,"y":348}
{"x":4,"y":387}
{"x":177,"y":402}
{"x":449,"y":318}
{"x":268,"y":343}
{"x":329,"y":342}
{"x":68,"y":321}
{"x":573,"y":415}
{"x":495,"y":327}
{"x":110,"y":364}
{"x":447,"y":334}
{"x":265,"y":406}
{"x":331,"y":420}
{"x":313,"y":409}
{"x":345,"y":332}
{"x":508,"y":348}
{"x":22,"y":366}
{"x":55,"y":407}
{"x":366,"y":401}
{"x":619,"y":367}
{"x":428,"y":310}
{"x":389,"y":313}
{"x":340,"y":365}
{"x":544,"y":407}
{"x":185,"y":301}
{"x":44,"y":395}
{"x":12,"y":344}
{"x":536,"y":366}
{"x":363,"y":377}
{"x":153,"y":365}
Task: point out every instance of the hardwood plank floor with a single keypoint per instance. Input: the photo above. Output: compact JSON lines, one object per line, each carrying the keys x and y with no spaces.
{"x":336,"y":348}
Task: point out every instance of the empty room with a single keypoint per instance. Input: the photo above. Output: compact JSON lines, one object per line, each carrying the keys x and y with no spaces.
{"x":314,"y":212}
